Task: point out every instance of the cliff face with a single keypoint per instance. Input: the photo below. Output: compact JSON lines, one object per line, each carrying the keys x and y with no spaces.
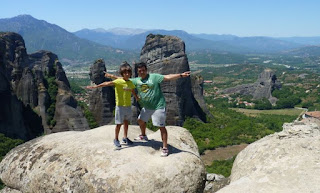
{"x":101,"y":100}
{"x":166,"y":55}
{"x":262,"y":88}
{"x":16,"y":119}
{"x":37,"y":82}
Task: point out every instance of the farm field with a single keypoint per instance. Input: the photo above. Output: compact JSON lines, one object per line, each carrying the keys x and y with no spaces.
{"x":254,"y":112}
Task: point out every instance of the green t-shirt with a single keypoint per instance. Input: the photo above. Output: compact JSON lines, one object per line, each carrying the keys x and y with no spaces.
{"x":123,"y":92}
{"x":149,"y":91}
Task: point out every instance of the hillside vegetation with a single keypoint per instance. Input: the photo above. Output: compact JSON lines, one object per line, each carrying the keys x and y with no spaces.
{"x":233,"y":122}
{"x":229,"y":127}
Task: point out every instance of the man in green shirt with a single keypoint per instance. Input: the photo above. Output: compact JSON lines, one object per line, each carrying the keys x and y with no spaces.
{"x":152,"y":101}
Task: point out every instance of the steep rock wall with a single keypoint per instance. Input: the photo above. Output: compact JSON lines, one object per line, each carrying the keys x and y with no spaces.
{"x":28,"y":78}
{"x":101,"y":100}
{"x":166,"y":55}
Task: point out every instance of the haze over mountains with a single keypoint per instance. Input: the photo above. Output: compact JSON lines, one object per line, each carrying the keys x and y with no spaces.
{"x":217,"y":43}
{"x":116,"y":45}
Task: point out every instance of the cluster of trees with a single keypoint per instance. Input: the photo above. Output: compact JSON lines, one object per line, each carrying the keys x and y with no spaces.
{"x":229,"y":127}
{"x":76,"y":87}
{"x":88,"y":115}
{"x":51,"y":85}
{"x":222,"y":167}
{"x":287,"y":99}
{"x":76,"y":84}
{"x":51,"y":104}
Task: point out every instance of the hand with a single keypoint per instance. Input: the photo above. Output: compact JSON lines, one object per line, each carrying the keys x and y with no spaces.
{"x":90,"y":87}
{"x":107,"y":75}
{"x":185,"y":74}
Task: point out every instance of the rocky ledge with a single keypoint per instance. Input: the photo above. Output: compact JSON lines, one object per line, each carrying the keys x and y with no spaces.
{"x":286,"y":162}
{"x":75,"y":161}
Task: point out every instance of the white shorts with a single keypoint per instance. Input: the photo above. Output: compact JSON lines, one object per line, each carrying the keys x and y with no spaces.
{"x":122,"y":113}
{"x":158,"y":116}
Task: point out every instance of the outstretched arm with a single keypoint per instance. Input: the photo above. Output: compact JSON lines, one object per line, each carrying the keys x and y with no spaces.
{"x":176,"y":76}
{"x":101,"y":85}
{"x":108,"y":75}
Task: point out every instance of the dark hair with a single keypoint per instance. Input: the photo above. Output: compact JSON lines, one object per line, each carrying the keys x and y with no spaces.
{"x":125,"y":67}
{"x":141,"y":64}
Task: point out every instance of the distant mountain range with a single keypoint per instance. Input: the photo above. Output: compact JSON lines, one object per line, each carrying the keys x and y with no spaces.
{"x":307,"y":51}
{"x":40,"y":35}
{"x":119,"y":44}
{"x":217,"y":43}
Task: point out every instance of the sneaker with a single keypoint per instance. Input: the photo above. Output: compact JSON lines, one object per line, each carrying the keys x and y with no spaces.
{"x":127,"y":141}
{"x":141,"y":138}
{"x":164,"y":152}
{"x":117,"y":144}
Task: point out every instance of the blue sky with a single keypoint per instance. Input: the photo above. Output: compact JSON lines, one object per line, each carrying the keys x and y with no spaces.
{"x":275,"y":18}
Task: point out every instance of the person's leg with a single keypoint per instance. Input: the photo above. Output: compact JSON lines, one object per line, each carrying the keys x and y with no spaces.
{"x":144,"y":116}
{"x":118,"y":122}
{"x":164,"y":137}
{"x":127,"y":111}
{"x":125,"y":138}
{"x":159,"y":120}
{"x":125,"y":126}
{"x":116,"y":141}
{"x":143,"y":126}
{"x":117,"y":130}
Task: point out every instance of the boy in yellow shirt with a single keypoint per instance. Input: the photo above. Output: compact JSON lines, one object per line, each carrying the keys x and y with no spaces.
{"x":123,"y":89}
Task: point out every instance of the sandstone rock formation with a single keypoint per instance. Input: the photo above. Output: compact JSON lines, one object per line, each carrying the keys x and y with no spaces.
{"x":262,"y":88}
{"x":166,"y":55}
{"x":286,"y":162}
{"x":26,"y":85}
{"x":16,"y":119}
{"x":197,"y":90}
{"x":101,"y":100}
{"x":87,"y":162}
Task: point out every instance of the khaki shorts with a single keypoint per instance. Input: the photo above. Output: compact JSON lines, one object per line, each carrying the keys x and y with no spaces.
{"x":122,"y":113}
{"x":158,"y":116}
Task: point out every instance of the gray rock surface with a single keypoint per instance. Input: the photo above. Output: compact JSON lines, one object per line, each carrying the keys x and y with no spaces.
{"x":262,"y":88}
{"x":17,"y":120}
{"x":166,"y":55}
{"x":25,"y":80}
{"x":215,"y":185}
{"x":286,"y":162}
{"x":86,"y":161}
{"x":197,"y":90}
{"x":101,"y":100}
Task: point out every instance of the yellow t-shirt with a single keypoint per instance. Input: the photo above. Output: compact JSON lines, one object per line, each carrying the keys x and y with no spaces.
{"x":123,"y":92}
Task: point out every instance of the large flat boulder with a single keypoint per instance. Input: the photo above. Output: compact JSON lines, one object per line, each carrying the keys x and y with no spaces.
{"x":286,"y":162}
{"x":75,"y":161}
